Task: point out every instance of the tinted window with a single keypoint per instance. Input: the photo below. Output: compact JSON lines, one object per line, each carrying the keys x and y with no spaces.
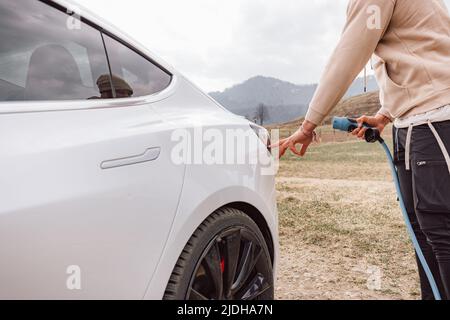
{"x":46,"y":55}
{"x":132,"y":74}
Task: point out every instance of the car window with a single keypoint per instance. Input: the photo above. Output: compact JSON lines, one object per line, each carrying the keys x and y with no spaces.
{"x":132,"y":74}
{"x":45,"y":56}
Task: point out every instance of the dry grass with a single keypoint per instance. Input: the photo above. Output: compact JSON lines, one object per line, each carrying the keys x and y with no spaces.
{"x":339,"y":217}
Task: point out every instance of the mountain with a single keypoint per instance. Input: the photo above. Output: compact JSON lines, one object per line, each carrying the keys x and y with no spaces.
{"x":283,"y":100}
{"x":364,"y":104}
{"x":354,"y":107}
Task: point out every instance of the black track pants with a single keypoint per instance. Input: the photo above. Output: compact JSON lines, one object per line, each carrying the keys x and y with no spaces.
{"x":426,"y":191}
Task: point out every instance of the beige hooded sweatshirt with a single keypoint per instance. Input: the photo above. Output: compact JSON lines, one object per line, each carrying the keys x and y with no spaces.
{"x":410,"y":41}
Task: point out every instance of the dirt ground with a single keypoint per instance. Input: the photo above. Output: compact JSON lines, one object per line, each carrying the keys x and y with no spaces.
{"x":342,"y":233}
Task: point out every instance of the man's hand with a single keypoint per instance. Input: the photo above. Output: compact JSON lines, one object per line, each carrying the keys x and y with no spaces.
{"x":378,"y":122}
{"x":304,"y":136}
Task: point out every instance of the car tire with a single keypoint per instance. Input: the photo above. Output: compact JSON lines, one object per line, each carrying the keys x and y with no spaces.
{"x":227,"y":258}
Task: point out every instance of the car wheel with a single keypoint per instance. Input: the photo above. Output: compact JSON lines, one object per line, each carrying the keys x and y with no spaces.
{"x":226,"y":259}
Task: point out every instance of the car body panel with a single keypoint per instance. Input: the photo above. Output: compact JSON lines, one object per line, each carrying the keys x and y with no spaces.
{"x":209,"y":187}
{"x":60,"y":208}
{"x":125,"y":227}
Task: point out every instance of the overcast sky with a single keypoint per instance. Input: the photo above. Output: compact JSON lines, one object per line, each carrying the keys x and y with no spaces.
{"x":218,"y":43}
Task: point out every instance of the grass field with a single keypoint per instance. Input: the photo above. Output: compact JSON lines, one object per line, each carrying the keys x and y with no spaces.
{"x":342,"y":234}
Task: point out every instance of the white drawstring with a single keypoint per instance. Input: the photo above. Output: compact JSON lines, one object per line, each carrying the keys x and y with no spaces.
{"x":439,"y":115}
{"x":408,"y":148}
{"x":441,"y":144}
{"x":438,"y":139}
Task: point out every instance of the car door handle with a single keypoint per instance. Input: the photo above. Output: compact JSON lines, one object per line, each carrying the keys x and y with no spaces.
{"x":149,"y":155}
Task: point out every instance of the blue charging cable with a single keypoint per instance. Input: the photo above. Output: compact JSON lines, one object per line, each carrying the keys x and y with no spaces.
{"x":373,"y":135}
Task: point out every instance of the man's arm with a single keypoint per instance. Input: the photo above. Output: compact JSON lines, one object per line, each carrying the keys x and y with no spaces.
{"x":367,"y":21}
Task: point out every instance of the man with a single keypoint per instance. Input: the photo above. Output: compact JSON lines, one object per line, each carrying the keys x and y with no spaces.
{"x":121,"y":87}
{"x":410,"y":41}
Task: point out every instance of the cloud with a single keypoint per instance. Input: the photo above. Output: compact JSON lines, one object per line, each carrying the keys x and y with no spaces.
{"x":218,"y":43}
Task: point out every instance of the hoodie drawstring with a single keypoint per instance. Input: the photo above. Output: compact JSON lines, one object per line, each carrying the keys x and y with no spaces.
{"x":438,"y":139}
{"x":441,"y":144}
{"x":408,"y":147}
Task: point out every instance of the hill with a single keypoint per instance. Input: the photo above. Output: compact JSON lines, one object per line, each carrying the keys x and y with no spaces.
{"x":283,"y":100}
{"x":368,"y":103}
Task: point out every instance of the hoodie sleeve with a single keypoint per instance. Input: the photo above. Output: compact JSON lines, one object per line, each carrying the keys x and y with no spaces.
{"x":367,"y":21}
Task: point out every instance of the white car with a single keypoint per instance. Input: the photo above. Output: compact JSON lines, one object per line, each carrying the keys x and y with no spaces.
{"x":99,"y":198}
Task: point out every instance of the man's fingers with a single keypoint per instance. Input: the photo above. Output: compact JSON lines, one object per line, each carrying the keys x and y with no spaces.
{"x":291,"y":144}
{"x":277,"y":144}
{"x":304,"y":149}
{"x":283,"y":147}
{"x":362,"y":120}
{"x":294,"y":149}
{"x":356,"y":131}
{"x":281,"y":152}
{"x":362,"y":133}
{"x":360,"y":130}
